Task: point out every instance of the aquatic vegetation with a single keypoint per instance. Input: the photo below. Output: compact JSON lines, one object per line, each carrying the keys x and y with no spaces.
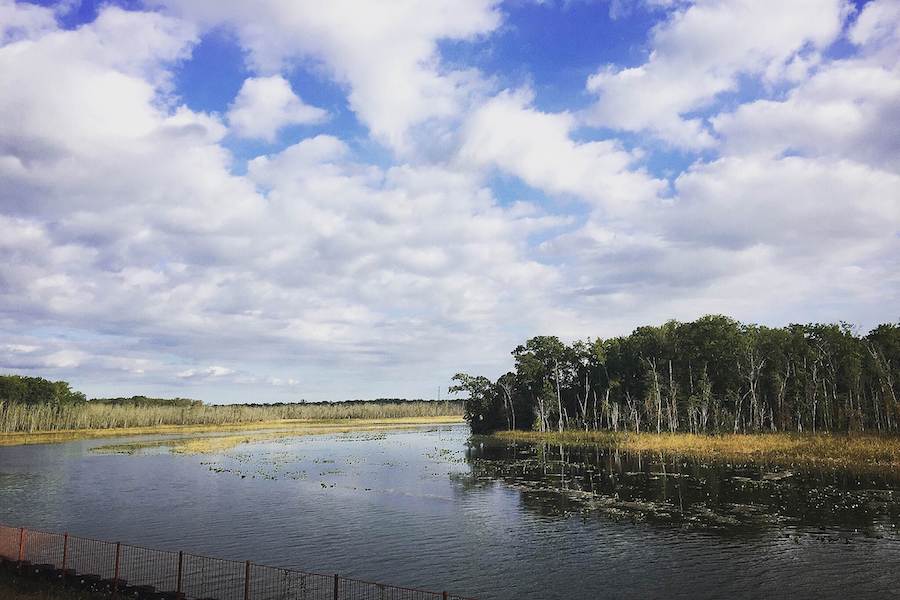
{"x":868,"y":451}
{"x":686,"y":492}
{"x":274,"y":432}
{"x":284,"y":425}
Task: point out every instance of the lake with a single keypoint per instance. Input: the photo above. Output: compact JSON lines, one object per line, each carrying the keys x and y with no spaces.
{"x":434,"y":508}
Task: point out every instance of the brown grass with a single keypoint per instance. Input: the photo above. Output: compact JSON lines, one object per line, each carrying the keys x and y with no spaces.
{"x":298,"y":426}
{"x":780,"y":448}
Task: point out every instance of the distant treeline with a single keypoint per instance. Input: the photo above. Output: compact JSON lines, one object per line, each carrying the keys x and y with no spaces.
{"x":52,"y":406}
{"x":18,"y":389}
{"x":145,"y":401}
{"x":706,"y":376}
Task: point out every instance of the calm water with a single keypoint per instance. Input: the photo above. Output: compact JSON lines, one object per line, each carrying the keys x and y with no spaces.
{"x":434,"y":509}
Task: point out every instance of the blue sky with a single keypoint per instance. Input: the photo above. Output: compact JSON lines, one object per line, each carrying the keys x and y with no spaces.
{"x":292,"y":200}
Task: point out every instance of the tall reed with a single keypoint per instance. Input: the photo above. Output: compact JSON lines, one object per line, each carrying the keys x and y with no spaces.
{"x":32,"y":418}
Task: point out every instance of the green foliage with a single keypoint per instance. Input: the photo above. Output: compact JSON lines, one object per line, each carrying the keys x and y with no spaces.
{"x":482,"y":404}
{"x":36,"y":390}
{"x":710,"y":375}
{"x":145,"y":401}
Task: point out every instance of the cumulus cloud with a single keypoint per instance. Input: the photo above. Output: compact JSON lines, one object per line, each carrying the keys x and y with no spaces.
{"x":849,"y":108}
{"x":507,"y":132}
{"x":264,"y":105}
{"x":126,"y":218}
{"x":139,"y":253}
{"x":23,"y":22}
{"x":700,"y":52}
{"x":386,"y":53}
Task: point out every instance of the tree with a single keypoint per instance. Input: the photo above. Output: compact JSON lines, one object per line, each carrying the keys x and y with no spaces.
{"x":481,"y":406}
{"x":709,"y":375}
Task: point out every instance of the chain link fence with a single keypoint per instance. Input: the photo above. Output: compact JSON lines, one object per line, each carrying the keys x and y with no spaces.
{"x":137,"y":572}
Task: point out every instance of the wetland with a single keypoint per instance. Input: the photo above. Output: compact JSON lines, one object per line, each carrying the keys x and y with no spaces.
{"x":435,"y":507}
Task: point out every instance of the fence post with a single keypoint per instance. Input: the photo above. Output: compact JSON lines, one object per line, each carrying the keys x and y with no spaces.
{"x":65,"y":550}
{"x":22,"y":535}
{"x":247,"y":580}
{"x":445,"y":595}
{"x":336,"y":586}
{"x":116,"y":574}
{"x":178,"y":578}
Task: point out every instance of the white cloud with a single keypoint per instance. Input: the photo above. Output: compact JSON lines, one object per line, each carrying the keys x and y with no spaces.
{"x":22,"y":22}
{"x":700,"y":52}
{"x":537,"y":147}
{"x":136,"y":254}
{"x":206,"y":373}
{"x":800,"y":206}
{"x":126,"y":219}
{"x":878,"y":26}
{"x":764,"y":239}
{"x":264,"y":105}
{"x":385,"y":52}
{"x":849,"y":109}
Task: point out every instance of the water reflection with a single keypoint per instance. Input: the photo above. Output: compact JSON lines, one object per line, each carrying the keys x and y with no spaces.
{"x":672,"y":490}
{"x":433,"y":509}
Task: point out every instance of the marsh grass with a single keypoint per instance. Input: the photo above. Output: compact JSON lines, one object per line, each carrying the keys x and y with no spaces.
{"x":35,"y":418}
{"x":221,"y":443}
{"x":284,"y":425}
{"x":873,"y":451}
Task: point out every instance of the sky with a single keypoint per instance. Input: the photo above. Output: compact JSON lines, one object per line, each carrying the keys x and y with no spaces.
{"x":286,"y":199}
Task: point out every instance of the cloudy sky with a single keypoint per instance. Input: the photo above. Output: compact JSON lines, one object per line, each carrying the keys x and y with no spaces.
{"x":281,"y":199}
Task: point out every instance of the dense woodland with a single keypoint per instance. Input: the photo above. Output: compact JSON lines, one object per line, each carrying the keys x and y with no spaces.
{"x":32,"y":404}
{"x":18,"y":389}
{"x":707,"y":376}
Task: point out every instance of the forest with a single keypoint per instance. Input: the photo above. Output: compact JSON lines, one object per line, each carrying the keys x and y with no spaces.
{"x":712,"y":375}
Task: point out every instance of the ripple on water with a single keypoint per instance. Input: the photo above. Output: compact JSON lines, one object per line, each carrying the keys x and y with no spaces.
{"x":431,"y":509}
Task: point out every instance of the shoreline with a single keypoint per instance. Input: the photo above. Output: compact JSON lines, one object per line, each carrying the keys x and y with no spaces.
{"x":856,"y":451}
{"x":302,"y":426}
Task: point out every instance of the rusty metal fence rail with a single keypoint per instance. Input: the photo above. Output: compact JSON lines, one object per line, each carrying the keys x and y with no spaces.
{"x":138,"y":572}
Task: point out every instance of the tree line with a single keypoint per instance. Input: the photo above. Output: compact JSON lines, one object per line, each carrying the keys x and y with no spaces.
{"x":21,"y":389}
{"x":711,"y":375}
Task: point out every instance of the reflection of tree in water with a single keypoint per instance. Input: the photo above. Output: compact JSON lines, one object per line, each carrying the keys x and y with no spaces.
{"x":558,"y":480}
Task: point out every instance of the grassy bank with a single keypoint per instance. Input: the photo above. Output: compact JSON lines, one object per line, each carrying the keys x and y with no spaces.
{"x":781,"y":448}
{"x":39,"y":418}
{"x":279,"y":428}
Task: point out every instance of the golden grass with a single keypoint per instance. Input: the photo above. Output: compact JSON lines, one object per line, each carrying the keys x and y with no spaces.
{"x":39,"y":418}
{"x":780,"y":448}
{"x":284,"y":426}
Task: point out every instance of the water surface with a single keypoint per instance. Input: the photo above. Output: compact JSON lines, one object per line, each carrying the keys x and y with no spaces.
{"x":433,"y":508}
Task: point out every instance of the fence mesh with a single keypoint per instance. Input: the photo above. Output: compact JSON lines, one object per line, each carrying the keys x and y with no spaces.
{"x":43,"y":548}
{"x":270,"y":583}
{"x":194,"y":577}
{"x":91,"y":557}
{"x":144,"y":566}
